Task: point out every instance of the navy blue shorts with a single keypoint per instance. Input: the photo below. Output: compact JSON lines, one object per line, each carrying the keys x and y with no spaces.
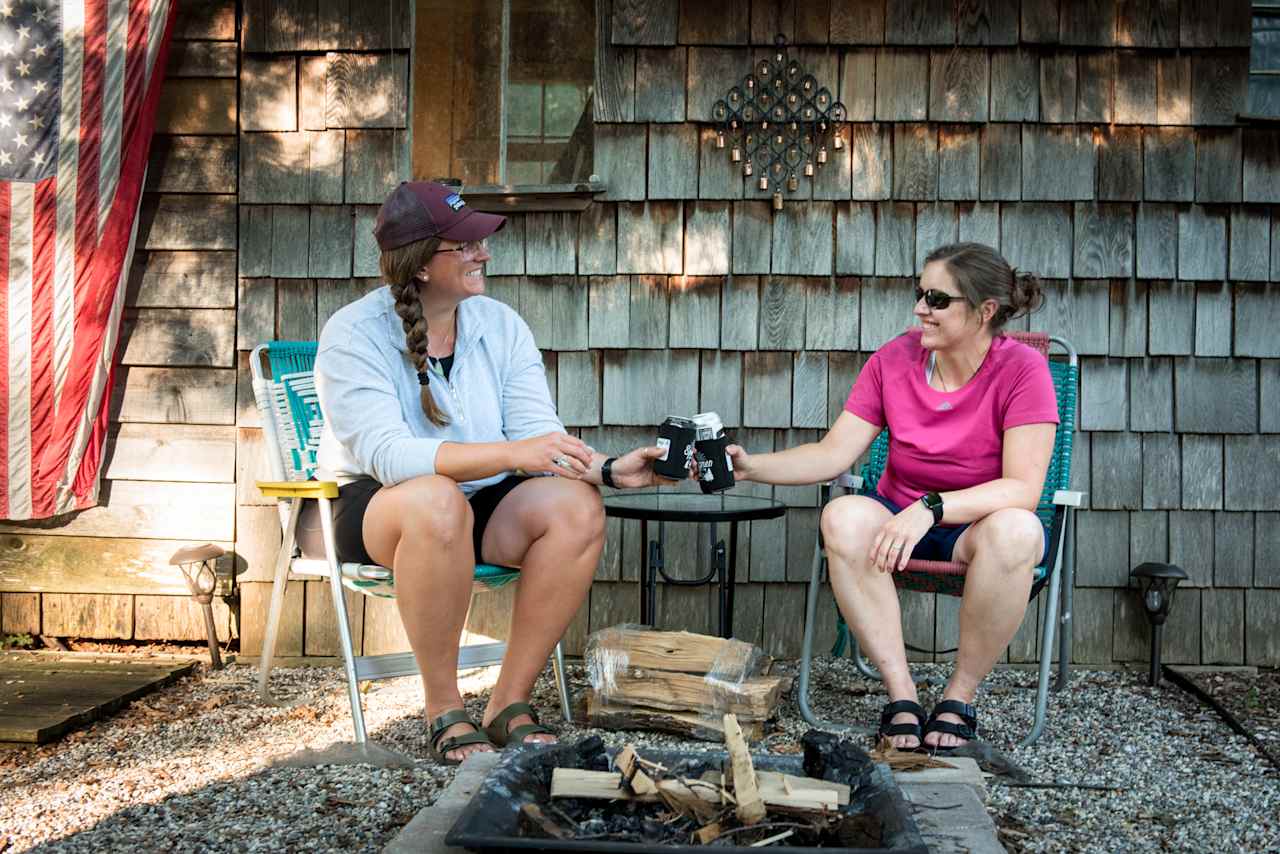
{"x":940,"y":541}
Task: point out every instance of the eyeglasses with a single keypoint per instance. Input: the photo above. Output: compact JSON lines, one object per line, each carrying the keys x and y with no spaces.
{"x":470,"y":249}
{"x":935,"y":299}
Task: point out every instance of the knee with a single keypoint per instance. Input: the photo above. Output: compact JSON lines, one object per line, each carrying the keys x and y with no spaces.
{"x":849,"y":524}
{"x":580,"y":511}
{"x":438,"y":509}
{"x":1014,"y":535}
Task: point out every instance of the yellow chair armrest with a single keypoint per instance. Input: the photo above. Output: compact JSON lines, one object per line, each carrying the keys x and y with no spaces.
{"x":298,"y":488}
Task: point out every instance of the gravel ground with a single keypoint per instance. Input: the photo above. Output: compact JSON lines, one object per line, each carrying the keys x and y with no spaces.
{"x":189,"y":768}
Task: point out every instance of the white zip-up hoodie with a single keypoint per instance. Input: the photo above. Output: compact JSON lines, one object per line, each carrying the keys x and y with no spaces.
{"x":368,"y":387}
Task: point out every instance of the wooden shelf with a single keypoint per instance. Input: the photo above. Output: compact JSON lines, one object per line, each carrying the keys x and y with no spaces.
{"x":526,"y":198}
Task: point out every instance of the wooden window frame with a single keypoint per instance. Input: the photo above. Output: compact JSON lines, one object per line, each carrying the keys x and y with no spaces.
{"x":1272,"y":10}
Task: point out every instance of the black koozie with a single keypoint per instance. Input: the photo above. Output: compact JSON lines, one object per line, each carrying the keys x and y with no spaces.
{"x":675,"y":434}
{"x":715,"y":470}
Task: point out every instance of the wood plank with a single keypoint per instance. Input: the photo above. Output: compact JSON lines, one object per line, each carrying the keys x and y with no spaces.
{"x":375,"y":163}
{"x":39,"y":563}
{"x":1157,"y":241}
{"x":1120,"y":164}
{"x":1218,"y":165}
{"x":178,"y":618}
{"x":190,"y":164}
{"x":1015,"y":85}
{"x":1161,"y":471}
{"x":1058,"y":163}
{"x":290,"y":241}
{"x":695,"y":312}
{"x":1000,"y":172}
{"x":320,"y":634}
{"x":871,"y":161}
{"x":269,"y":86}
{"x":766,"y":392}
{"x":886,"y":310}
{"x":325,"y":165}
{"x":151,"y":509}
{"x":927,"y":22}
{"x":1169,"y":164}
{"x":1201,"y":472}
{"x":187,"y":222}
{"x":178,"y":337}
{"x":782,"y":313}
{"x":1151,"y":395}
{"x":613,"y":98}
{"x":1098,"y":95}
{"x":1128,"y":323}
{"x":721,"y":386}
{"x":895,"y":239}
{"x":366,"y":90}
{"x":1173,"y":90}
{"x":609,"y":319}
{"x":660,"y":83}
{"x":550,"y":243}
{"x":1103,"y":404}
{"x":831,"y":313}
{"x":1036,"y":237}
{"x":958,"y":155}
{"x":197,"y":106}
{"x":1103,"y":240}
{"x":1217,"y":396}
{"x":959,"y":80}
{"x":164,"y":279}
{"x":935,"y":226}
{"x":915,"y":161}
{"x":740,"y":311}
{"x":174,"y":396}
{"x":855,"y":239}
{"x":274,"y":167}
{"x":203,"y":454}
{"x":1218,"y":87}
{"x":20,"y":613}
{"x":255,"y":599}
{"x":629,"y":399}
{"x":1213,"y":319}
{"x":987,"y":22}
{"x":672,"y":148}
{"x":802,"y":239}
{"x":902,"y":85}
{"x":330,"y":241}
{"x":1202,"y":244}
{"x":1079,"y":310}
{"x":1058,"y":86}
{"x":88,"y":615}
{"x":645,"y":23}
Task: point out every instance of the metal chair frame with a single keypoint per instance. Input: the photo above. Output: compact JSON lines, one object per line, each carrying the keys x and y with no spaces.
{"x":291,"y":423}
{"x":1058,"y":576}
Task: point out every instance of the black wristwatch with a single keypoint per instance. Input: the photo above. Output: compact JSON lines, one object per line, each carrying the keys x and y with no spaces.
{"x":933,"y":501}
{"x":606,"y":473}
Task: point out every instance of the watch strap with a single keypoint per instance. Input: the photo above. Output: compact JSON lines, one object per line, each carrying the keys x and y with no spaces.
{"x":933,"y":501}
{"x":606,"y":473}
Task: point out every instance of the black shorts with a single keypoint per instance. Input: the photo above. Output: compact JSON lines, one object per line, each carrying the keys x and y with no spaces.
{"x":939,"y":543}
{"x":352,"y":502}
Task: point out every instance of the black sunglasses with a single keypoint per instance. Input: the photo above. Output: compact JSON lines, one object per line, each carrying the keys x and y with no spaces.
{"x":935,"y":299}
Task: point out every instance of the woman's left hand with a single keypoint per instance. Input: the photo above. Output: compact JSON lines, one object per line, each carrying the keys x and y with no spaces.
{"x":897,"y":538}
{"x":635,"y":468}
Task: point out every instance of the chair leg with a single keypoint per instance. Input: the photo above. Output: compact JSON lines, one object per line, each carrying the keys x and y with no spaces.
{"x":562,"y":683}
{"x":280,"y":580}
{"x":806,"y":650}
{"x":344,"y":628}
{"x":1065,"y":638}
{"x":1046,"y":658}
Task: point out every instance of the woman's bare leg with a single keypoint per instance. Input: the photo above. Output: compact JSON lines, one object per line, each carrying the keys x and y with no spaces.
{"x":867,"y":597}
{"x":1001,"y":550}
{"x":422,"y":530}
{"x":553,"y":529}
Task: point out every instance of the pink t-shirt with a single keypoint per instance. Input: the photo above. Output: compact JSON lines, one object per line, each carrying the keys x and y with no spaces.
{"x":939,"y":440}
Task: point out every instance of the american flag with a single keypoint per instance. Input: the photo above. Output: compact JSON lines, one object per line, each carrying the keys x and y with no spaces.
{"x":79,"y":85}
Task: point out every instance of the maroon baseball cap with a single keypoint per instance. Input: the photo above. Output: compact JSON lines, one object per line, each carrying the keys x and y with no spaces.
{"x":417,"y":210}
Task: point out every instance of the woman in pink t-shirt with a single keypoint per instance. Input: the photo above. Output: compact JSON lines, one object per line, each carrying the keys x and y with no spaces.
{"x":971,"y":416}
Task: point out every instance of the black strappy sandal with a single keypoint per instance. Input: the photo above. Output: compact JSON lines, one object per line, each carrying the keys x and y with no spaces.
{"x":967,"y":730}
{"x":890,"y":730}
{"x":440,"y":746}
{"x":501,"y":736}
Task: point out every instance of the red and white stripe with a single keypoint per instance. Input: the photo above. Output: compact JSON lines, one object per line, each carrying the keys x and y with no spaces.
{"x":65,"y":247}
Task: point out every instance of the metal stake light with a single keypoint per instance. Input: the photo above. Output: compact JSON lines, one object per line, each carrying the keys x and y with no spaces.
{"x":1157,"y":581}
{"x":197,"y":564}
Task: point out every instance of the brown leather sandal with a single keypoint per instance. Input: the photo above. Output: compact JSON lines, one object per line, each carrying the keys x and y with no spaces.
{"x":440,"y":746}
{"x":497,"y":728}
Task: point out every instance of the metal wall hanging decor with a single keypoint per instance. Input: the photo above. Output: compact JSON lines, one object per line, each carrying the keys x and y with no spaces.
{"x":779,"y":122}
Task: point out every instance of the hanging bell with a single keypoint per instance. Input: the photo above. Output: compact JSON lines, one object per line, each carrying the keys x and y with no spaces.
{"x":822,"y":154}
{"x":777,"y":200}
{"x":746,"y":168}
{"x":764,"y":182}
{"x":720,"y":140}
{"x":735,"y":154}
{"x":808,"y":169}
{"x":793,"y":184}
{"x":838,"y":143}
{"x":764,"y":125}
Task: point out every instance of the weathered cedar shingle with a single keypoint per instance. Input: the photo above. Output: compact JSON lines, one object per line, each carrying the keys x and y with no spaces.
{"x":1102,"y":553}
{"x":1261,"y":165}
{"x":650,"y":237}
{"x":980,"y":223}
{"x":1213,"y":319}
{"x":255,"y":312}
{"x":1215,"y":396}
{"x":718,"y":176}
{"x":620,"y":160}
{"x":550,"y":243}
{"x":506,"y":249}
{"x":752,"y":237}
{"x":1015,"y":85}
{"x":855,"y":239}
{"x":366,"y":90}
{"x":1000,"y":172}
{"x":871,"y":165}
{"x":712,"y":71}
{"x":1114,"y":484}
{"x":1215,"y":24}
{"x":926,"y":22}
{"x":609,"y":311}
{"x":1232,"y":549}
{"x":630,"y":397}
{"x":1147,"y":23}
{"x":1058,"y":86}
{"x":958,"y":153}
{"x":695,"y":312}
{"x":1149,"y":533}
{"x":809,"y":390}
{"x":781,"y":314}
{"x":1137,"y":84}
{"x":1218,"y":165}
{"x":365,"y":252}
{"x":902,"y":85}
{"x":375,"y":162}
{"x":555,"y":307}
{"x":1091,"y":635}
{"x":326,"y":169}
{"x":1218,"y":84}
{"x":766,"y":389}
{"x":1058,"y":163}
{"x":1103,"y":240}
{"x":188,"y":222}
{"x":707,"y":239}
{"x":578,"y":388}
{"x":1103,"y":403}
{"x":959,"y":81}
{"x":935,"y":226}
{"x":330,"y":242}
{"x":1266,"y":548}
{"x":712,"y":22}
{"x":1151,"y":395}
{"x":673,"y":149}
{"x":268,"y":94}
{"x":987,"y":22}
{"x":1157,"y":239}
{"x":645,"y":22}
{"x":1078,"y":309}
{"x":1120,"y":164}
{"x":1161,"y":471}
{"x":1269,"y":395}
{"x":1250,"y":244}
{"x":1169,"y":160}
{"x":832,"y":181}
{"x":1222,"y":619}
{"x":886,"y":310}
{"x":1173,"y":89}
{"x":802,"y":239}
{"x":273,"y":168}
{"x":721,"y":389}
{"x":1257,"y":319}
{"x":1037,"y":237}
{"x":1128,"y":320}
{"x":1089,"y":22}
{"x":915,"y":161}
{"x":831,"y":313}
{"x":1040,"y":21}
{"x":312,"y":71}
{"x":660,"y":84}
{"x":1172,"y":310}
{"x":650,"y":311}
{"x":613,"y":97}
{"x":597,"y":240}
{"x":1097,"y":89}
{"x":1202,"y":244}
{"x":290,"y":248}
{"x":895,"y":239}
{"x":192,"y":164}
{"x":857,"y":22}
{"x":1251,"y":471}
{"x":255,"y":240}
{"x":740,"y":313}
{"x":858,"y":84}
{"x":770,"y":18}
{"x":1191,"y":545}
{"x":1201,"y":472}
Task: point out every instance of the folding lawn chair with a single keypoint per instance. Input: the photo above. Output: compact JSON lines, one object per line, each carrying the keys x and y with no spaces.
{"x":1054,"y":510}
{"x":291,"y":422}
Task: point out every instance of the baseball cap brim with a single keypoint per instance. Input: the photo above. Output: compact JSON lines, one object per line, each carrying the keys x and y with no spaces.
{"x":474,"y":225}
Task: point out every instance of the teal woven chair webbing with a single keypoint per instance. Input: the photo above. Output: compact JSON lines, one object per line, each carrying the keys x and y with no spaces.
{"x":290,"y":357}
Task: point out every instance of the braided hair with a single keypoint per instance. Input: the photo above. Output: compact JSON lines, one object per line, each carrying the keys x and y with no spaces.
{"x":400,"y":268}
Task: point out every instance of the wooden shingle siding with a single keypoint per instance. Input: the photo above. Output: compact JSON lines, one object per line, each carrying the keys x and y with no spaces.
{"x":1000,"y":172}
{"x":958,"y":155}
{"x":1266,"y":550}
{"x":1058,"y":86}
{"x":366,"y":90}
{"x":192,"y":164}
{"x":1191,"y":545}
{"x":1103,"y":240}
{"x":1137,"y":83}
{"x":1218,"y":87}
{"x":1269,"y":383}
{"x":649,"y":312}
{"x":1213,"y":319}
{"x":1250,"y":251}
{"x":1157,"y":242}
{"x":718,"y":177}
{"x":857,"y":90}
{"x":651,"y":237}
{"x":1098,"y":92}
{"x":1169,"y":157}
{"x":1215,"y":396}
{"x":870,"y":149}
{"x":770,"y":18}
{"x":1173,"y":89}
{"x":1202,"y":243}
{"x":902,"y":85}
{"x":915,"y":161}
{"x":1171,"y":307}
{"x":802,"y":239}
{"x":620,"y":160}
{"x":269,"y":86}
{"x":781,"y":316}
{"x":1115,"y":483}
{"x":979,"y":223}
{"x":1218,"y":165}
{"x":1256,"y":321}
{"x":672,"y":150}
{"x":1058,"y":163}
{"x":1128,"y":321}
{"x":1261,"y":155}
{"x":660,"y":84}
{"x":1201,"y":472}
{"x":1037,"y":237}
{"x":1161,"y":471}
{"x":550,"y":243}
{"x":1151,"y":395}
{"x":935,"y":226}
{"x":641,"y":22}
{"x":959,"y":82}
{"x":1102,"y":543}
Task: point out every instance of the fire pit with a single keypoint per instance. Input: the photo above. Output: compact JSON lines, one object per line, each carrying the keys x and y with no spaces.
{"x":876,"y":817}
